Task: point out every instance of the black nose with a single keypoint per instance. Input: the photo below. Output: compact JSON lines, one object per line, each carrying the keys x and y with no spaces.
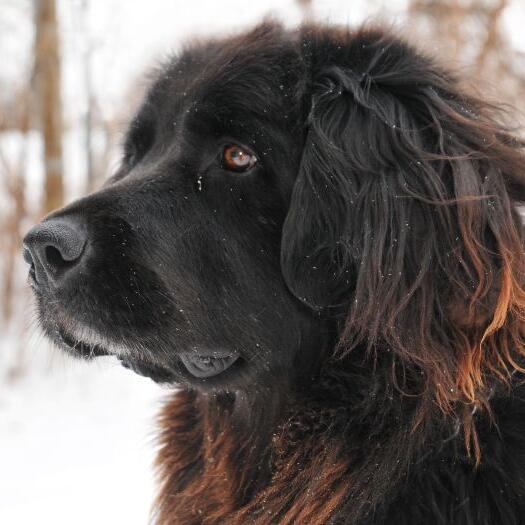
{"x":53,"y":248}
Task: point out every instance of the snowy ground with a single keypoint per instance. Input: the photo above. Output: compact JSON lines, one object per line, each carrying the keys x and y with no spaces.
{"x":76,"y":446}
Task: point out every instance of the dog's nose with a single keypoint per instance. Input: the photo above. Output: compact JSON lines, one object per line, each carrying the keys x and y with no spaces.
{"x":53,"y":248}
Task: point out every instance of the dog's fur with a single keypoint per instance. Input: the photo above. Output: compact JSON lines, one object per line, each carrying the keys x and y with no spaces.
{"x":368,"y":270}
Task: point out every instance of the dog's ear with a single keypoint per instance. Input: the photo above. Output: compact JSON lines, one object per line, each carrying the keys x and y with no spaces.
{"x":402,"y":214}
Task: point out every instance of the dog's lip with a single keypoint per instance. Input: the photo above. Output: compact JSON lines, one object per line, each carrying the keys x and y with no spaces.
{"x":157,"y":373}
{"x":204,"y":364}
{"x":80,"y":348}
{"x":154,"y":371}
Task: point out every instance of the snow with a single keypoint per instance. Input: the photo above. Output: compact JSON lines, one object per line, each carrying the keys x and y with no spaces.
{"x":77,"y":445}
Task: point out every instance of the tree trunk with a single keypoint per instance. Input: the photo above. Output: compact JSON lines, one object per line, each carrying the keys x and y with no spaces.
{"x":49,"y":107}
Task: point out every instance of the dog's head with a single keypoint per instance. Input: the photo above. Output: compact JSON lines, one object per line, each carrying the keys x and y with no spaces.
{"x":284,"y":194}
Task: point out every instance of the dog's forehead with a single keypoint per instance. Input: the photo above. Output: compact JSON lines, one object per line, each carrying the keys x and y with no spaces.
{"x":256,"y":71}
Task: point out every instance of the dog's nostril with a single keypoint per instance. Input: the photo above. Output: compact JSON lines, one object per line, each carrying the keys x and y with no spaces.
{"x":54,"y":258}
{"x":53,"y":247}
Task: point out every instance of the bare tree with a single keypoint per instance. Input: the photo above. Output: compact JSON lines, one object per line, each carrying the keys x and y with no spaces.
{"x":471,"y":34}
{"x":89,"y":96}
{"x":48,"y":100}
{"x":14,"y":183}
{"x":13,"y":179}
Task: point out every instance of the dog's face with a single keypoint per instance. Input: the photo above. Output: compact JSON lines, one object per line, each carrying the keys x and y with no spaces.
{"x":284,"y":190}
{"x":175,"y":264}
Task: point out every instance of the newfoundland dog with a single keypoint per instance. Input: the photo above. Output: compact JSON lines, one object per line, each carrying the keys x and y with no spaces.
{"x":313,"y":236}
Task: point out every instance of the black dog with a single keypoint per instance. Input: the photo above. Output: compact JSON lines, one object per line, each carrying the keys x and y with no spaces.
{"x":313,"y":232}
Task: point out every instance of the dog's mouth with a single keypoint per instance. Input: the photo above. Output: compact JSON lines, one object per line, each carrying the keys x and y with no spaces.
{"x":85,"y":350}
{"x":208,"y":364}
{"x":201,"y":364}
{"x":79,"y":348}
{"x":157,"y":373}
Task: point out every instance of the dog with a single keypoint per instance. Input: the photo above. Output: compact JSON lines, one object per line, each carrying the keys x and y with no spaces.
{"x":313,"y":234}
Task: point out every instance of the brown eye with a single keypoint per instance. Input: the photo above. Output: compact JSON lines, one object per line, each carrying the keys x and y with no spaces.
{"x":236,"y":158}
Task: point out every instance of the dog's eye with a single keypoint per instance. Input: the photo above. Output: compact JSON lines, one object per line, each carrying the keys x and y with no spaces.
{"x":236,"y":158}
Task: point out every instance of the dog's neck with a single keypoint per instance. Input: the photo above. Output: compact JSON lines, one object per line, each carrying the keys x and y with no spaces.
{"x":239,"y":459}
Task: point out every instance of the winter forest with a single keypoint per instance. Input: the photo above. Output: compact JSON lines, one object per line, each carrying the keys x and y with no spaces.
{"x":72,"y":72}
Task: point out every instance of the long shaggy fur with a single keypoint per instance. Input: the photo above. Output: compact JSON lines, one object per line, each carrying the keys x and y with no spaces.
{"x":402,"y":229}
{"x":369,"y":272}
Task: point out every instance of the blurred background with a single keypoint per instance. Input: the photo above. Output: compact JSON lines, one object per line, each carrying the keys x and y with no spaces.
{"x":77,"y":440}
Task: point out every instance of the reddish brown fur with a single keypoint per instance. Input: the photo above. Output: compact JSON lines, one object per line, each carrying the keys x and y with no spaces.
{"x":308,"y":481}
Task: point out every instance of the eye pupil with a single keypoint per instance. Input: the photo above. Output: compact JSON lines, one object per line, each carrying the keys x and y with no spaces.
{"x":235,"y":158}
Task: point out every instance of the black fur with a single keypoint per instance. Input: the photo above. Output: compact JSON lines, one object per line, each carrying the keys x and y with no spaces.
{"x":343,"y":268}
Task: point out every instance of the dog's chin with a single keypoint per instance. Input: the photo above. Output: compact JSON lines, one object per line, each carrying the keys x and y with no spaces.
{"x":153,"y":371}
{"x":74,"y":347}
{"x":80,"y":349}
{"x":204,"y":370}
{"x":208,"y":364}
{"x":209,"y":369}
